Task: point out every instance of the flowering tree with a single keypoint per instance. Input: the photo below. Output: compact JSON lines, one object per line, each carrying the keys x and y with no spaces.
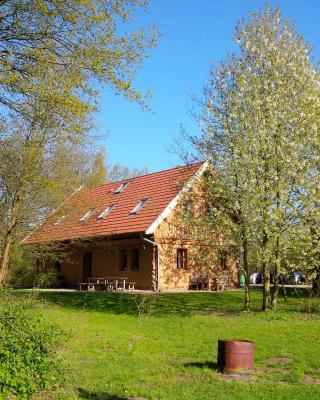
{"x":260,"y":121}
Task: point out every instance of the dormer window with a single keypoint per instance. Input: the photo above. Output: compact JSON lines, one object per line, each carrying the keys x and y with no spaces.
{"x":62,"y":218}
{"x":106,"y":212}
{"x":121,"y":187}
{"x":88,"y":214}
{"x":138,"y":207}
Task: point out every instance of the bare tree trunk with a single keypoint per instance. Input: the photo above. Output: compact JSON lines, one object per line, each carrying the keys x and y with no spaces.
{"x":247,"y":301}
{"x":276,"y":283}
{"x":284,"y":289}
{"x":28,"y":164}
{"x":8,"y":240}
{"x":266,"y":275}
{"x":155,"y":255}
{"x":316,"y":264}
{"x":266,"y":287}
{"x":5,"y":259}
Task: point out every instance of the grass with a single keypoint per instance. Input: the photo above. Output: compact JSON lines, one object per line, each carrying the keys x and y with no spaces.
{"x":169,"y":351}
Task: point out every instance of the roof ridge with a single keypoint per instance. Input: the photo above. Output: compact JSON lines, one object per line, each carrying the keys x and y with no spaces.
{"x":141,"y":176}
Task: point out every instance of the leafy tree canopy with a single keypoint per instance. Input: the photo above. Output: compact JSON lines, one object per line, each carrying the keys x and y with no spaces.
{"x":55,"y":51}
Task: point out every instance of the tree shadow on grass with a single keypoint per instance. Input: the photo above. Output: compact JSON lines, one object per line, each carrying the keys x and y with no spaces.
{"x":162,"y":305}
{"x":228,"y":303}
{"x":202,"y":365}
{"x":85,"y":394}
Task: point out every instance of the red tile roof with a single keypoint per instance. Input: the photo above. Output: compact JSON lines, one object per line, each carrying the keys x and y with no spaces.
{"x":160,"y":188}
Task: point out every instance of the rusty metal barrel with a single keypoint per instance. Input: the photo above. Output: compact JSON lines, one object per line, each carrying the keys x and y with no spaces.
{"x":236,"y":356}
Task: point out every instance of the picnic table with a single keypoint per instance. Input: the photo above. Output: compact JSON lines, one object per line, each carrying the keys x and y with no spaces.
{"x":113,"y":283}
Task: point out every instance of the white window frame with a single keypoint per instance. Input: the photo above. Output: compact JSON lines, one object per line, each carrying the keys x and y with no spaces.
{"x":88,"y":214}
{"x":106,"y":212}
{"x":62,"y":218}
{"x":138,"y":207}
{"x":121,"y":187}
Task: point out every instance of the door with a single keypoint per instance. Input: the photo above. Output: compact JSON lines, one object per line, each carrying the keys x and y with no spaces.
{"x":87,"y":265}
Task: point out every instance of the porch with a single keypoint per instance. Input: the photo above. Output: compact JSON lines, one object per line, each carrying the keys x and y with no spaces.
{"x":111,"y":265}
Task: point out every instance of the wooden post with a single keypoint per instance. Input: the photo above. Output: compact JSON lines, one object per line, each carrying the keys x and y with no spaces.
{"x":154,"y":268}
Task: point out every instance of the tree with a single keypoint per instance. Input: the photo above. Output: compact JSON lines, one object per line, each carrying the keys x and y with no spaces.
{"x":223,"y":223}
{"x":117,"y":172}
{"x":26,"y":151}
{"x":52,"y":54}
{"x":260,"y":120}
{"x":98,"y":173}
{"x":76,"y":42}
{"x":72,"y":165}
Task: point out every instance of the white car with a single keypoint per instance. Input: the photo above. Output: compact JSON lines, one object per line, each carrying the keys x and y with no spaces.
{"x":256,"y":277}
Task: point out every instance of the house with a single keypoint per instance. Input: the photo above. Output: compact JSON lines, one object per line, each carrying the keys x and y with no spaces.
{"x":131,"y":229}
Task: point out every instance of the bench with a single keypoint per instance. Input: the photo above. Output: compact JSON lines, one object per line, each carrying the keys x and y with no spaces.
{"x":90,"y":287}
{"x":131,"y":285}
{"x":200,"y":282}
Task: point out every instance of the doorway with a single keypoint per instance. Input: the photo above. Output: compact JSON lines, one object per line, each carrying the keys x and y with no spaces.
{"x":87,"y":266}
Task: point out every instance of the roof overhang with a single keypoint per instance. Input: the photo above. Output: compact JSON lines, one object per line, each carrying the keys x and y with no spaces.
{"x":155,"y":224}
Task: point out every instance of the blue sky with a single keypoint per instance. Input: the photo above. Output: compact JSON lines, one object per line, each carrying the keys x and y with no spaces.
{"x":196,"y":34}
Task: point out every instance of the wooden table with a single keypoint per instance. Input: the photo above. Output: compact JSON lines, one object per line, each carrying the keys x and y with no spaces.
{"x":119,"y":283}
{"x":111,"y":282}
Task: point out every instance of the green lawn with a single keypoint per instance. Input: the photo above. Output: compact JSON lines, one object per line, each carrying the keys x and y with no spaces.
{"x":170,"y":351}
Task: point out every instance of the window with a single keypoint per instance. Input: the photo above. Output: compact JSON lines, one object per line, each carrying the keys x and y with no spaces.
{"x":88,"y":214}
{"x":182,"y":262}
{"x":121,"y":187}
{"x":123,"y":260}
{"x":60,"y":219}
{"x":106,"y":212}
{"x":57,"y":266}
{"x":134,"y":255}
{"x":138,"y":207}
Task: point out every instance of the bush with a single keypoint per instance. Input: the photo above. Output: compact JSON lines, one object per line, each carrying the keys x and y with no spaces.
{"x":311,"y":305}
{"x":23,"y":271}
{"x":22,"y":268}
{"x":28,"y":348}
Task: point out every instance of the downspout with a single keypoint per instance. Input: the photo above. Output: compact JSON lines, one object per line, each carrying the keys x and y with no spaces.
{"x":158,"y":259}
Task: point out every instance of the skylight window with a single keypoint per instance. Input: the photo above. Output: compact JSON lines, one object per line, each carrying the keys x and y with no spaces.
{"x":88,"y":214}
{"x":106,"y":212}
{"x":62,"y":218}
{"x":121,"y":187}
{"x":138,"y":207}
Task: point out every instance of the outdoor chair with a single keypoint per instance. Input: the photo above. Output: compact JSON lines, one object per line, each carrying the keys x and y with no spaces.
{"x":110,"y":284}
{"x":131,"y":286}
{"x":195,"y":283}
{"x":200,"y":282}
{"x":221,"y":283}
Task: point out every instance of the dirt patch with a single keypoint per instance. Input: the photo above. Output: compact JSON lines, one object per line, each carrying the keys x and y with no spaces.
{"x":278,"y":360}
{"x":184,"y":378}
{"x":136,"y":398}
{"x":87,"y":360}
{"x":309,"y":380}
{"x":108,"y":349}
{"x":281,"y":370}
{"x":268,"y":370}
{"x":238,"y":377}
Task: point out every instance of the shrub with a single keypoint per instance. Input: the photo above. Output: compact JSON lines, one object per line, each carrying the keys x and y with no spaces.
{"x":311,"y":305}
{"x":22,"y":268}
{"x":28,"y":348}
